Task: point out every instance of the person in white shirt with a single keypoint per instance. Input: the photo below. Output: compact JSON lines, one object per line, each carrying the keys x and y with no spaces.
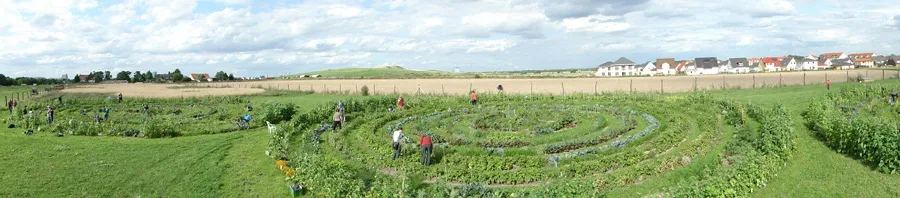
{"x":397,"y":134}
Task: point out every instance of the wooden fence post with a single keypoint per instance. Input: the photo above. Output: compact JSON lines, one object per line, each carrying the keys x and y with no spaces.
{"x":695,"y":83}
{"x":780,"y":80}
{"x":442,"y":89}
{"x":723,"y":83}
{"x":595,"y":87}
{"x":470,"y":87}
{"x":882,"y":74}
{"x":631,"y":86}
{"x":395,"y":89}
{"x":754,"y":81}
{"x":848,"y":76}
{"x":532,"y":87}
{"x":804,"y":78}
{"x":563,"y":88}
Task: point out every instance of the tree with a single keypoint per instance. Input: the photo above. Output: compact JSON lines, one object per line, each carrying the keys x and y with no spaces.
{"x":107,"y":75}
{"x":221,"y":76}
{"x":138,"y":77}
{"x":231,"y":77}
{"x":148,"y":76}
{"x":77,"y":79}
{"x":176,"y":76}
{"x":124,"y":75}
{"x":98,"y":78}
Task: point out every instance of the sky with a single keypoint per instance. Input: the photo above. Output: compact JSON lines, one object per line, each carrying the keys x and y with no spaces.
{"x":49,"y":38}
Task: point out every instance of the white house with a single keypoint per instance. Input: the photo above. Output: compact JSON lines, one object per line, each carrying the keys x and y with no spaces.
{"x":864,"y":62}
{"x":738,"y":65}
{"x":809,"y":64}
{"x":665,"y":66}
{"x":843,"y":64}
{"x":790,"y":63}
{"x":648,"y":69}
{"x":772,"y":64}
{"x":621,"y":67}
{"x":823,"y":63}
{"x":707,"y":65}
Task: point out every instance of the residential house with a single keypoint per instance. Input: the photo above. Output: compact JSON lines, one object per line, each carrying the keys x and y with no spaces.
{"x":647,"y":69}
{"x":738,"y":65}
{"x":772,"y":64}
{"x":833,"y":55}
{"x":809,"y":63}
{"x":843,"y":64}
{"x":83,"y":78}
{"x":665,"y":66}
{"x":707,"y":65}
{"x":790,"y":63}
{"x":753,"y":61}
{"x":814,"y":57}
{"x":823,"y":63}
{"x":681,"y":66}
{"x":879,"y":60}
{"x":200,"y":77}
{"x":892,"y":61}
{"x":621,"y":67}
{"x":602,"y":69}
{"x":164,"y":77}
{"x":863,"y":62}
{"x":861,"y":55}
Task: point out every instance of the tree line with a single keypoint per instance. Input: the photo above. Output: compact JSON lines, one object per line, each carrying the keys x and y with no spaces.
{"x":9,"y":81}
{"x":148,"y":76}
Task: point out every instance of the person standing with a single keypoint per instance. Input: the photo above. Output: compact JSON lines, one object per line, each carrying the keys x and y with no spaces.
{"x":827,"y":84}
{"x":500,"y":88}
{"x":50,"y":115}
{"x":59,"y":99}
{"x":474,"y":98}
{"x":341,"y":108}
{"x":396,"y":145}
{"x":9,"y":105}
{"x":105,"y":113}
{"x":400,"y":102}
{"x":120,"y":98}
{"x":425,"y":142}
{"x":337,"y":120}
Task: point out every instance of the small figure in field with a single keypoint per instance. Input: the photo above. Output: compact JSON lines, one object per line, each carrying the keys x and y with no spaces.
{"x":474,"y":98}
{"x":340,"y":107}
{"x":50,"y":114}
{"x":120,"y":98}
{"x":9,"y":105}
{"x":59,"y":99}
{"x":391,"y":109}
{"x":400,"y":102}
{"x":146,"y":109}
{"x":249,"y":108}
{"x":396,"y":137}
{"x":500,"y":88}
{"x":337,"y":120}
{"x":105,"y":113}
{"x":827,"y":84}
{"x":425,"y":142}
{"x":893,"y":99}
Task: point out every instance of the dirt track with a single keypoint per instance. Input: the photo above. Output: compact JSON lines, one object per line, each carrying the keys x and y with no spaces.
{"x":159,"y":90}
{"x":657,"y":84}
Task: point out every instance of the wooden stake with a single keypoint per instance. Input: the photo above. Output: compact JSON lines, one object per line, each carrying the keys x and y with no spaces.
{"x":631,"y":86}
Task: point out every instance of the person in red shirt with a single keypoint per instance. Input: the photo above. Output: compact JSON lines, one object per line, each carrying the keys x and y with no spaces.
{"x":828,"y":84}
{"x":474,"y":98}
{"x":400,"y":102}
{"x":425,"y":142}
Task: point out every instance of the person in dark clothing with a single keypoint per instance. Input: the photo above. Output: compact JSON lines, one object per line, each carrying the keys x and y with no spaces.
{"x":50,"y":115}
{"x":9,"y":105}
{"x":105,"y":113}
{"x":500,"y":88}
{"x":59,"y":99}
{"x":893,"y":99}
{"x":425,"y":142}
{"x":120,"y":98}
{"x":146,"y":109}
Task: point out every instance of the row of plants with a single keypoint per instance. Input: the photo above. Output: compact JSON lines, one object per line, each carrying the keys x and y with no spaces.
{"x":860,"y":123}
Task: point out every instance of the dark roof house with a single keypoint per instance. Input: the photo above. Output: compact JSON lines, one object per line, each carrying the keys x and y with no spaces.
{"x":606,"y":64}
{"x":738,"y":62}
{"x":706,"y":62}
{"x":623,"y":62}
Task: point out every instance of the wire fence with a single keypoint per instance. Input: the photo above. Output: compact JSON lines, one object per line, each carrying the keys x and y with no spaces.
{"x":658,"y":84}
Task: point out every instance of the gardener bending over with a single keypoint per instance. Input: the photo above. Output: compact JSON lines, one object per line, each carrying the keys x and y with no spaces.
{"x":120,"y":97}
{"x":893,"y":99}
{"x":397,"y":134}
{"x":425,"y":142}
{"x":337,"y":120}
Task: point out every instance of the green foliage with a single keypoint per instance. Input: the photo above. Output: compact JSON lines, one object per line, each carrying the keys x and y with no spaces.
{"x":159,"y":129}
{"x":364,"y":90}
{"x":277,"y":112}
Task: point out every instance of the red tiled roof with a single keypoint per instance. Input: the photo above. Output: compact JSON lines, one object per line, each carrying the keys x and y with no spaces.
{"x":773,"y":60}
{"x":864,"y":60}
{"x":831,"y":55}
{"x":862,"y":55}
{"x":197,"y":76}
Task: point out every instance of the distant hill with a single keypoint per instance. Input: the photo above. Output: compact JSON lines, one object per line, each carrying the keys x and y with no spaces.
{"x":377,"y":73}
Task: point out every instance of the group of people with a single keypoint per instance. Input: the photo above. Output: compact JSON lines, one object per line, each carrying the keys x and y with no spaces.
{"x":424,"y":142}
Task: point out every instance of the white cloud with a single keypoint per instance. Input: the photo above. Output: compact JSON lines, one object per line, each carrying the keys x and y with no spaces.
{"x":526,"y":24}
{"x":596,"y":24}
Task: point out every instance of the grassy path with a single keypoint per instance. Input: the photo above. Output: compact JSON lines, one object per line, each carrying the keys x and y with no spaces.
{"x":814,"y":169}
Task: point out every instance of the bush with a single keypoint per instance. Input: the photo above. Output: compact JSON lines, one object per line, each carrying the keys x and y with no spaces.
{"x":364,"y":90}
{"x":159,"y":129}
{"x":278,"y":112}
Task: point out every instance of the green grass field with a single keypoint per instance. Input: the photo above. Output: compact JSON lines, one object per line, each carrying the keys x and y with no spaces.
{"x":233,"y":164}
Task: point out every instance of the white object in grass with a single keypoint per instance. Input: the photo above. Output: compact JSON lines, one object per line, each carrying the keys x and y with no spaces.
{"x":271,"y":127}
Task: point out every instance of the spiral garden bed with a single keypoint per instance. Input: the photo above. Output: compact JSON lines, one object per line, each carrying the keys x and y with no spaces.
{"x":514,"y":146}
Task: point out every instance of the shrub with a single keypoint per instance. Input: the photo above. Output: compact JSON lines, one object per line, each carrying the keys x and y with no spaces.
{"x":364,"y":90}
{"x":159,"y":129}
{"x":278,"y":112}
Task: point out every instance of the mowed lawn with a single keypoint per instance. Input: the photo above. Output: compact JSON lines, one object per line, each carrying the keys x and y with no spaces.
{"x":220,"y":165}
